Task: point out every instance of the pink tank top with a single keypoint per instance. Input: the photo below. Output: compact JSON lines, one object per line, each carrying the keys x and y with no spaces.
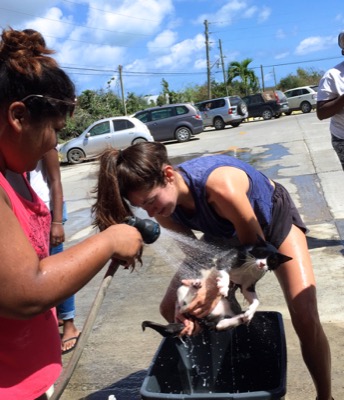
{"x":30,"y":350}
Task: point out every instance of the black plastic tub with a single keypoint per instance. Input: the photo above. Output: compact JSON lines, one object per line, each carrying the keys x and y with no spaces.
{"x":248,"y":362}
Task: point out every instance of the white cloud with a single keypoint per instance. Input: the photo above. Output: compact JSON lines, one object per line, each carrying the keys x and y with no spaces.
{"x":314,"y":43}
{"x":280,"y":34}
{"x":181,"y":53}
{"x":225,"y":14}
{"x":264,"y":14}
{"x":282,"y":55}
{"x":201,"y":64}
{"x":340,"y":18}
{"x":236,"y":9}
{"x":128,"y":20}
{"x":162,"y":42}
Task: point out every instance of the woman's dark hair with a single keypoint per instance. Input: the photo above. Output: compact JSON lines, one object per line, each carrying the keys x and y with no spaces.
{"x":138,"y":167}
{"x":27,"y":69}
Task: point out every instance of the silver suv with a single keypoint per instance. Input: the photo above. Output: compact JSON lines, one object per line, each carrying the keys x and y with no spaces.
{"x":223,"y":111}
{"x":303,"y":98}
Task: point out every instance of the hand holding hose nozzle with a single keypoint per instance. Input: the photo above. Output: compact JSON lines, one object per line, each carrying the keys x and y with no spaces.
{"x":150,"y":230}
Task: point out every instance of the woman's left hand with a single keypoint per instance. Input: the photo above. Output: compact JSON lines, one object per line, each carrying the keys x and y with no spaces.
{"x":207,"y":296}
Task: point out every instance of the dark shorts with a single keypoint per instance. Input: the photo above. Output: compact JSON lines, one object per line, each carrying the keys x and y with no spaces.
{"x":284,"y":215}
{"x":338,"y":146}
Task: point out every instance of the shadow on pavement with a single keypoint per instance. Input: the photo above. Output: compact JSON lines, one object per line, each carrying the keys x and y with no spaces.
{"x":125,"y":389}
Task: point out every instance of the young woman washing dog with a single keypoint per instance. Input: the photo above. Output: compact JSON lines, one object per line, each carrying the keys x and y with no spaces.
{"x":222,"y":197}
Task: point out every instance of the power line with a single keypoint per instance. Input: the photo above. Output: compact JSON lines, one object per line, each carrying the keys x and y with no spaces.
{"x":108,"y":12}
{"x":77,"y":25}
{"x":155,"y":73}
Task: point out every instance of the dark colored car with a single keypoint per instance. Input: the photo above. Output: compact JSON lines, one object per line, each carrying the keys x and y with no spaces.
{"x":258,"y":105}
{"x":172,"y":122}
{"x":281,"y":99}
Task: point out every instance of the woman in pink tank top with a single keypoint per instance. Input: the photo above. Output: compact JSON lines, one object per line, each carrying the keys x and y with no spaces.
{"x":36,"y":96}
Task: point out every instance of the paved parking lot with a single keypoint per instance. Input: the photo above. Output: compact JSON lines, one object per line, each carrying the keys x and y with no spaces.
{"x":294,"y":150}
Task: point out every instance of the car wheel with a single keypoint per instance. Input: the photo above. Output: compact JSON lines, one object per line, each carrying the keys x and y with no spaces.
{"x":235,"y":124}
{"x":138,"y":140}
{"x":183,"y":134}
{"x":218,"y":123}
{"x":242,"y":108}
{"x":267,"y":114}
{"x":305,"y":107}
{"x":75,"y":156}
{"x":277,"y":115}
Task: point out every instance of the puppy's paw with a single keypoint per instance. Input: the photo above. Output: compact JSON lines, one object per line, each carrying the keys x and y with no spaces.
{"x":248,"y":315}
{"x":229,"y":323}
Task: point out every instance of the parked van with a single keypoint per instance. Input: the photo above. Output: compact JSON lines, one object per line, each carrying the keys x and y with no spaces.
{"x":230,"y":110}
{"x":172,"y":121}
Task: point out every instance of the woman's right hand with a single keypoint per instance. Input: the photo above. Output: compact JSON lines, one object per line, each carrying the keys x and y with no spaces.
{"x":126,"y":241}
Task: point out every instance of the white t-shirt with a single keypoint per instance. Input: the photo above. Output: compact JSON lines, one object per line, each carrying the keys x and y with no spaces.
{"x":331,"y":86}
{"x":38,"y":182}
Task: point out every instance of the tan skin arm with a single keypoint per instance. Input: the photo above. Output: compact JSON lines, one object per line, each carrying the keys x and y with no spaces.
{"x":226,"y":189}
{"x":52,"y":168}
{"x":329,"y":108}
{"x":29,"y":286}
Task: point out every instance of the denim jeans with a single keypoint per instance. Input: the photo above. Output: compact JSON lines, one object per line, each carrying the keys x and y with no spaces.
{"x":65,"y":310}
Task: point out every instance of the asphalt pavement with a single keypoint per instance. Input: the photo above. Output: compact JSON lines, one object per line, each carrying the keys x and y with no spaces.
{"x":294,"y":150}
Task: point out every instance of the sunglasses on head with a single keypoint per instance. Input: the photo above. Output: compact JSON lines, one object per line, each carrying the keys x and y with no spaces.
{"x":62,"y":106}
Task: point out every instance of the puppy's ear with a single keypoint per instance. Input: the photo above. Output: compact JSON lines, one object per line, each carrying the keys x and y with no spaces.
{"x":260,"y":240}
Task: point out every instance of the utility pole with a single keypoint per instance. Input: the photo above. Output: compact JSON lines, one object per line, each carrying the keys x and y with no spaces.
{"x":273,"y":70}
{"x":206,"y":33}
{"x":122,"y":89}
{"x":262,"y":74}
{"x":223,"y":67}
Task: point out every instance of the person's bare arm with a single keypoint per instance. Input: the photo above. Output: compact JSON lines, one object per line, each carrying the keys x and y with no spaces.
{"x":227,"y":193}
{"x":51,"y":166}
{"x":227,"y":189}
{"x":329,"y":108}
{"x":29,"y":286}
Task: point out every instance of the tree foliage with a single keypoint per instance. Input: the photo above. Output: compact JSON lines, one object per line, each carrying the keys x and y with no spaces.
{"x":248,"y":80}
{"x":94,"y":105}
{"x":303,"y":77}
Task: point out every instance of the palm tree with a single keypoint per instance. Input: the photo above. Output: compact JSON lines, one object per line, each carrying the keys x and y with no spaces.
{"x":240,"y":70}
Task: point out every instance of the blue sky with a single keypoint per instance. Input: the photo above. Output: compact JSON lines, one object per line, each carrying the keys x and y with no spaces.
{"x":164,"y":39}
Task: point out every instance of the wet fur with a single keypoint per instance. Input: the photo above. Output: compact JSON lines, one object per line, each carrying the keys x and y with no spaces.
{"x":240,"y":267}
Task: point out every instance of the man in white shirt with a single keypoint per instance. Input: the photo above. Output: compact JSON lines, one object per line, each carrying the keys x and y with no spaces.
{"x":330,"y":102}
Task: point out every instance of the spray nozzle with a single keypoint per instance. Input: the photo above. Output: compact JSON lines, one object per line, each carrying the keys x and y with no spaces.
{"x":149,"y":229}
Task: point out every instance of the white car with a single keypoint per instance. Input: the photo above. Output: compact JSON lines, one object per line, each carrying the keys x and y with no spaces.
{"x":115,"y":132}
{"x":302,"y":98}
